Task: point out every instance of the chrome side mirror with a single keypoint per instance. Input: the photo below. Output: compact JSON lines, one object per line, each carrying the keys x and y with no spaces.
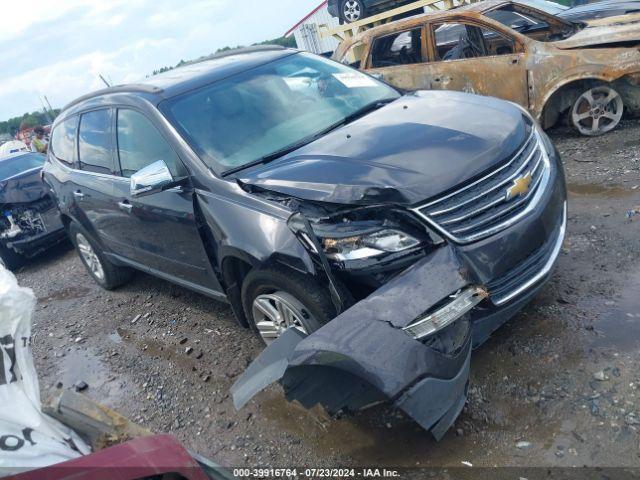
{"x":151,"y":179}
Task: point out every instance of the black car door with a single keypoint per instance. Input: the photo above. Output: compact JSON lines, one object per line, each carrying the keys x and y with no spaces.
{"x":94,"y":176}
{"x":160,"y":229}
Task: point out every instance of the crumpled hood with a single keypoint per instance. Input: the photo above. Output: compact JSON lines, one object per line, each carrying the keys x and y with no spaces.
{"x":406,"y":152}
{"x":602,"y":31}
{"x":25,"y":188}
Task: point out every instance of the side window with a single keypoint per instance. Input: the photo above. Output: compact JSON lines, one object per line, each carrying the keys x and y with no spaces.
{"x":140,"y":144}
{"x":456,"y":41}
{"x":63,"y":141}
{"x":94,"y":142}
{"x":404,"y":48}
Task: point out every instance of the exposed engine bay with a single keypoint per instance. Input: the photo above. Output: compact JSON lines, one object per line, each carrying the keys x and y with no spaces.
{"x":19,"y":222}
{"x":23,"y":221}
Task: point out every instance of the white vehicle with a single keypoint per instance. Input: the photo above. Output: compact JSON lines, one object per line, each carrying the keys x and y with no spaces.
{"x":13,"y":146}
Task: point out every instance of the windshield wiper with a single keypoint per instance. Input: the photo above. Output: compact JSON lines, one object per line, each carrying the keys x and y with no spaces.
{"x":361,"y":112}
{"x":295,"y":146}
{"x":272,"y":156}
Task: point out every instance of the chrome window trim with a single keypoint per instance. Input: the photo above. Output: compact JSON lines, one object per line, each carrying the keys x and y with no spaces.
{"x":94,"y":174}
{"x":548,"y":266}
{"x":537,"y":196}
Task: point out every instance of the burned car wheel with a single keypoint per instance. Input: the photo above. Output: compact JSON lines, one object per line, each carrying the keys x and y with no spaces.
{"x":105,"y":273}
{"x":597,"y":111}
{"x":352,"y":11}
{"x":9,"y":259}
{"x":275,"y":300}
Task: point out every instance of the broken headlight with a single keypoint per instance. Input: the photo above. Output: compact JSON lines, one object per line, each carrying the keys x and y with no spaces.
{"x":368,"y":244}
{"x":456,"y":306}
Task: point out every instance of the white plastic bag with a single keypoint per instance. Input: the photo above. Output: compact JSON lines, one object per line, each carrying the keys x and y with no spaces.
{"x":28,"y":438}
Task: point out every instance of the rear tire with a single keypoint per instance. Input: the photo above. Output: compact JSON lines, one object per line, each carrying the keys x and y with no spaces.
{"x":596,"y":111}
{"x":101,"y":269}
{"x":10,"y":259}
{"x":294,"y":299}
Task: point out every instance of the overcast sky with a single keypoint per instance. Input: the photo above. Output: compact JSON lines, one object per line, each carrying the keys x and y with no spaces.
{"x":58,"y":47}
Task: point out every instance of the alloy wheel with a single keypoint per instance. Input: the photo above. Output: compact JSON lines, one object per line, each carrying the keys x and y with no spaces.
{"x":89,"y":256}
{"x":597,"y":111}
{"x":352,"y":11}
{"x":274,"y":313}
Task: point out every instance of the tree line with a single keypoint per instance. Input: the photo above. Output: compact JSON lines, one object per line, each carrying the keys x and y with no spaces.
{"x":13,"y":125}
{"x":282,"y":41}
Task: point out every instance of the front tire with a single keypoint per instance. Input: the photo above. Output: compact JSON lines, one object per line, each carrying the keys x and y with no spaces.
{"x":275,"y":300}
{"x":352,"y":11}
{"x":105,"y":273}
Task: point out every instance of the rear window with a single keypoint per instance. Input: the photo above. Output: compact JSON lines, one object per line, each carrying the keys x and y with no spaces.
{"x":15,"y":166}
{"x":63,"y":141}
{"x":94,"y":142}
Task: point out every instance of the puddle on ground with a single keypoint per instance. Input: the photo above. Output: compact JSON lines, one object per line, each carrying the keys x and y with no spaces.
{"x":356,"y":436}
{"x":156,"y":349}
{"x":598,"y":190}
{"x":65,"y":294}
{"x":618,"y":326}
{"x":84,"y":366}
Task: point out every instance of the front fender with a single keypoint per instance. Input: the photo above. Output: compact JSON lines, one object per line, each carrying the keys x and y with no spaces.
{"x":252,"y":230}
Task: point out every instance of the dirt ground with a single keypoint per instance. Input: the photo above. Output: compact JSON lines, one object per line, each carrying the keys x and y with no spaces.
{"x":556,"y":386}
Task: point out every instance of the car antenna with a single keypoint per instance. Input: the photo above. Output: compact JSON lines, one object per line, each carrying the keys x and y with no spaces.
{"x":105,"y":82}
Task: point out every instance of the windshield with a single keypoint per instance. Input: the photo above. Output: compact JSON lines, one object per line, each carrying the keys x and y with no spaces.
{"x":242,"y":119}
{"x":546,"y":6}
{"x":535,"y":24}
{"x":16,"y":165}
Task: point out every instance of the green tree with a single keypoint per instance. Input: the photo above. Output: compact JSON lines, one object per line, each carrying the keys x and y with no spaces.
{"x":13,"y":125}
{"x":282,"y":41}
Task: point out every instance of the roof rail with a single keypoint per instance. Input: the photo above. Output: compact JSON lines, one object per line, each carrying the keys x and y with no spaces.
{"x":238,"y":51}
{"x":132,"y":87}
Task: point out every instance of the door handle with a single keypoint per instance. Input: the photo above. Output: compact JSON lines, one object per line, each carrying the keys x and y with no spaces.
{"x":78,"y":194}
{"x":125,"y":206}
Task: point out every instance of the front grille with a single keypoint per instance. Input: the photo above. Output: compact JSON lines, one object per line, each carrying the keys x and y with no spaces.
{"x":484,"y":207}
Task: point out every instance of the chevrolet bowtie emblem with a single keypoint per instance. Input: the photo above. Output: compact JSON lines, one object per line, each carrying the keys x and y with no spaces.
{"x":520,"y":187}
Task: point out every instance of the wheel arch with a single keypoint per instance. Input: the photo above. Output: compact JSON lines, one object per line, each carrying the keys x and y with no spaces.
{"x":235,"y":265}
{"x":562,"y":96}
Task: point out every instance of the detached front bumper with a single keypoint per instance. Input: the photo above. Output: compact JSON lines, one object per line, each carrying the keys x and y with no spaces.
{"x":364,"y":356}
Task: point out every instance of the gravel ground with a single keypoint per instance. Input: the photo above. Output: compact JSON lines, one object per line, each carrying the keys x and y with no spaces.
{"x":557,"y":386}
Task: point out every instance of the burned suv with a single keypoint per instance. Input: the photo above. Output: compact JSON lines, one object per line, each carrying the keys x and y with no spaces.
{"x":369,"y":237}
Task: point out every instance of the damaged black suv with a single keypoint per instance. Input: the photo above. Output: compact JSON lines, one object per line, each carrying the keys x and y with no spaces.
{"x":369,"y":237}
{"x":29,"y":220}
